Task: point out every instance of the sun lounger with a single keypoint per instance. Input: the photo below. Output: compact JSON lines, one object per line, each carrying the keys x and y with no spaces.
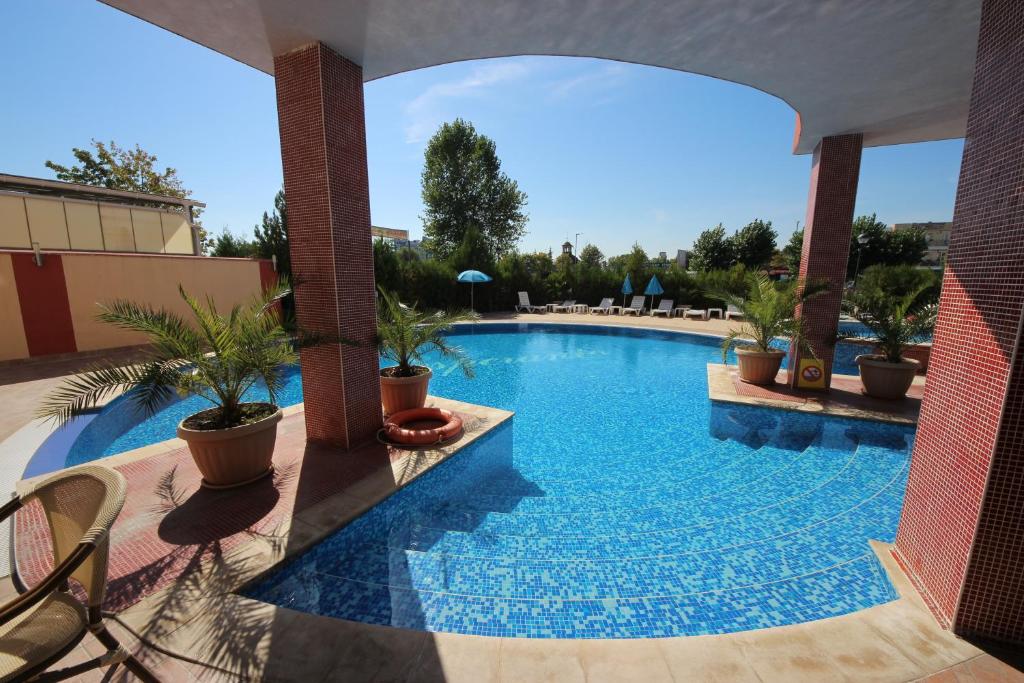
{"x":696,"y":313}
{"x":636,"y":306}
{"x":664,"y":308}
{"x":525,"y":305}
{"x":732,"y":312}
{"x":566,"y":306}
{"x":605,"y":307}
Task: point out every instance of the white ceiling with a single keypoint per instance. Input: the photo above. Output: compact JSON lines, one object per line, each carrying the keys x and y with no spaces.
{"x":896,"y":70}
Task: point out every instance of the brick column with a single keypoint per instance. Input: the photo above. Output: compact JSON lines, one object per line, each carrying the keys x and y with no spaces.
{"x":323,"y":149}
{"x":961,"y":536}
{"x":835,"y":168}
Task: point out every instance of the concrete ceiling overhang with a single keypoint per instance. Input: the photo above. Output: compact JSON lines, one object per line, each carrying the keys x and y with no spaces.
{"x":895,"y":70}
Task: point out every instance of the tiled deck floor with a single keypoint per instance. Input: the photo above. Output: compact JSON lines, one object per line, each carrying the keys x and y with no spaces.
{"x":844,"y":398}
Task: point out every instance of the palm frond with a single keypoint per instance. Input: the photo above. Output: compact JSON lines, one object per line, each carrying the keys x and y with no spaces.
{"x":406,"y":333}
{"x":218,"y":357}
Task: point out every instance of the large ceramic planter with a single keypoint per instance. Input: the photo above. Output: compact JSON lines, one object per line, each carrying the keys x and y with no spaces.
{"x":882,"y":379}
{"x":759,"y":367}
{"x":235,"y":456}
{"x":404,"y":393}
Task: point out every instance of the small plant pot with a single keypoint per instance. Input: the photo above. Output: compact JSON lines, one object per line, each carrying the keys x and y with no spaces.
{"x":404,"y":393}
{"x":759,"y":367}
{"x":235,"y":456}
{"x":882,"y":379}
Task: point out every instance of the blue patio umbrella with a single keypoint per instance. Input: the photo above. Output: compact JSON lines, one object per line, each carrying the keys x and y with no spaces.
{"x":653,"y":289}
{"x":627,"y":289}
{"x":473,"y":277}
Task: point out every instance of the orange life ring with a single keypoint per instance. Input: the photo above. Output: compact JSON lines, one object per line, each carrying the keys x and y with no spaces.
{"x":394,"y":430}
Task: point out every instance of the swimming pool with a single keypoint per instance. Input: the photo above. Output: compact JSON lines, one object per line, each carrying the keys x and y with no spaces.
{"x":119,"y":427}
{"x":618,"y":503}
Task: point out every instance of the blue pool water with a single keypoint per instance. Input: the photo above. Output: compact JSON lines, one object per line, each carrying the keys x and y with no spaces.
{"x":619,"y":502}
{"x":119,"y":427}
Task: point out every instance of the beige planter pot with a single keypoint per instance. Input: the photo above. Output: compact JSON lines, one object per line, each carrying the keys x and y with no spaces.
{"x":882,"y":379}
{"x":759,"y":367}
{"x":404,"y":393}
{"x":236,"y":456}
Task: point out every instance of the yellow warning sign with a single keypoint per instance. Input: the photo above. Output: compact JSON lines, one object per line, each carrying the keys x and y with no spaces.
{"x":811,"y":375}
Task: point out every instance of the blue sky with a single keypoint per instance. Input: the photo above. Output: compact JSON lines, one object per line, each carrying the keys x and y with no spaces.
{"x":619,"y":153}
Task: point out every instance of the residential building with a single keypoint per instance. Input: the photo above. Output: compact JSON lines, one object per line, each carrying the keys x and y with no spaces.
{"x":937,"y":236}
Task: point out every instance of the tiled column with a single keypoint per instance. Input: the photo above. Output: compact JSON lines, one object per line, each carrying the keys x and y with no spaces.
{"x":835,"y":169}
{"x":961,"y":536}
{"x":323,"y":148}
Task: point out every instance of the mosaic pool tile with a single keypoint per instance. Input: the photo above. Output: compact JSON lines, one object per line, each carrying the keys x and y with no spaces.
{"x":618,"y":503}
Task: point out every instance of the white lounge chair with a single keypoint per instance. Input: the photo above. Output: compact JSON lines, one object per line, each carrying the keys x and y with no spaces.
{"x":636,"y":306}
{"x":732,"y":312}
{"x":664,"y":308}
{"x":605,"y":307}
{"x":525,"y":305}
{"x":696,"y":313}
{"x":566,"y":306}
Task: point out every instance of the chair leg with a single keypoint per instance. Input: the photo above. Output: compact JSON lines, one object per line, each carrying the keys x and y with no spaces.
{"x":130,"y":662}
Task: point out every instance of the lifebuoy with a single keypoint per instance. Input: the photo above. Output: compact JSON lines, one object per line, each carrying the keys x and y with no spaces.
{"x":394,"y":430}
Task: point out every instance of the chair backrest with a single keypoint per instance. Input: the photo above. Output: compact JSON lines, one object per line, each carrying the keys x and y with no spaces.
{"x":80,"y":505}
{"x":732,"y":309}
{"x":638,"y":302}
{"x":665,"y":305}
{"x":569,"y":302}
{"x":524,"y":299}
{"x":606,"y":302}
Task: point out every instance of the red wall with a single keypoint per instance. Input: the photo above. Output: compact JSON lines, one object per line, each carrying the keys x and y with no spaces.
{"x":323,"y":150}
{"x":45,"y":311}
{"x":961,"y":536}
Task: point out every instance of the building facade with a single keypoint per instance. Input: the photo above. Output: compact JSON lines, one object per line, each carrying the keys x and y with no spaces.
{"x":937,"y":236}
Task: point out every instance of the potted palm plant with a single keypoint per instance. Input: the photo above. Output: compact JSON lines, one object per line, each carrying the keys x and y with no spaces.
{"x":404,"y":334}
{"x":895,"y":322}
{"x":211,"y":355}
{"x":769,"y":313}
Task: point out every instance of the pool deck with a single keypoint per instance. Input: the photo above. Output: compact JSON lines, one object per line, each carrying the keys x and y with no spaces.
{"x":844,"y":399}
{"x":180,"y":553}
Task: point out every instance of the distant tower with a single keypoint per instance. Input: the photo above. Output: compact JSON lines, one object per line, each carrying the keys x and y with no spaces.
{"x":567,"y":251}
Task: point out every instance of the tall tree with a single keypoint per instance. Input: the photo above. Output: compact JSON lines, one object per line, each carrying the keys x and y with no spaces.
{"x":591,"y":256}
{"x":712,"y":250}
{"x":792,"y":252}
{"x":228,"y":245}
{"x":272,"y":235}
{"x":463,"y":186}
{"x":118,"y":168}
{"x":472,"y":252}
{"x":754,"y":244}
{"x":882,"y":245}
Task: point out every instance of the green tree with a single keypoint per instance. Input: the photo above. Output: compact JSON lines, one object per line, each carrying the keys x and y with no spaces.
{"x":472,"y":253}
{"x":228,"y":245}
{"x":463,"y":186}
{"x":133,"y":170}
{"x":907,"y":247}
{"x":897,"y":281}
{"x":590,"y":255}
{"x":387,"y":267}
{"x":882,"y":246}
{"x":791,"y":253}
{"x":754,"y":244}
{"x":272,"y":236}
{"x":712,"y":250}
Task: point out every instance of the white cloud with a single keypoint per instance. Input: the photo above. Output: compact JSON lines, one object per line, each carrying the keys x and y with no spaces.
{"x":425,"y":112}
{"x":605,"y":77}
